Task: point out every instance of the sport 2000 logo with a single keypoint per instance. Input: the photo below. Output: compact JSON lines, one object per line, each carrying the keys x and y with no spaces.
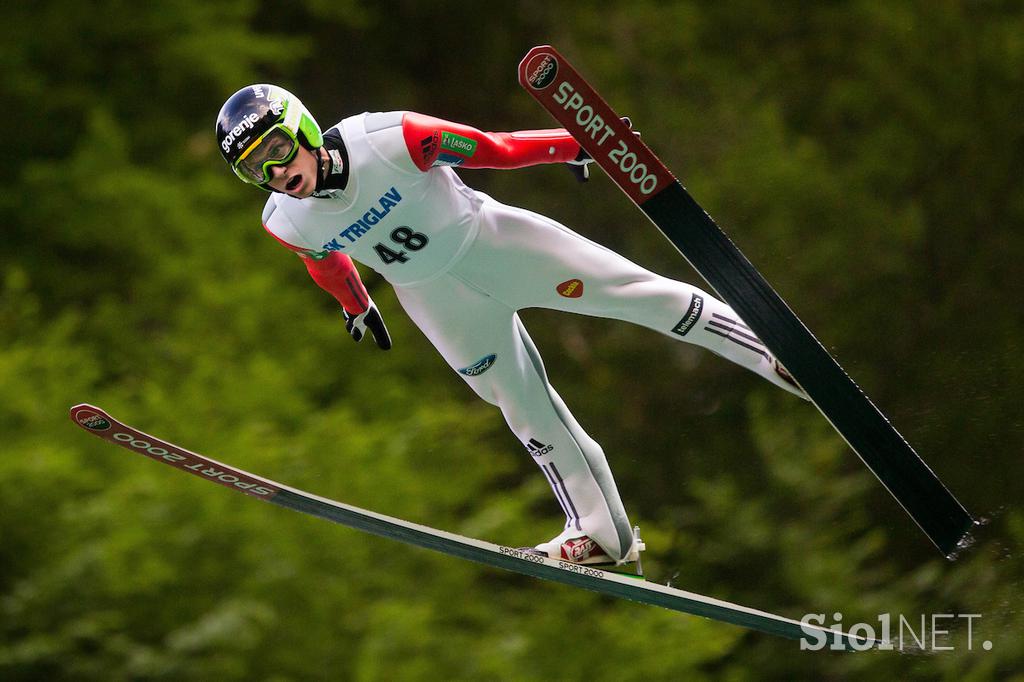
{"x":93,"y":421}
{"x":201,"y":468}
{"x":541,"y":71}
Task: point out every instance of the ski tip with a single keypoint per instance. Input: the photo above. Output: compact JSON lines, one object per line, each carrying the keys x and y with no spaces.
{"x":540,"y":48}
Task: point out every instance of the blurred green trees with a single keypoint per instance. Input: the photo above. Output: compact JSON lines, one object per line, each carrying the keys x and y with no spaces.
{"x":868,"y":159}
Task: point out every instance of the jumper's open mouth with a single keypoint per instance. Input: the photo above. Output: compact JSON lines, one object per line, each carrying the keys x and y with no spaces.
{"x":294,"y":183}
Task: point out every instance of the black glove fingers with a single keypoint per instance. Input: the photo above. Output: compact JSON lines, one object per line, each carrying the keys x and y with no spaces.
{"x":375,"y":323}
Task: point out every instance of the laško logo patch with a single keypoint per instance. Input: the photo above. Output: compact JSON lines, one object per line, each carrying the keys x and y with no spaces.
{"x":572,"y":288}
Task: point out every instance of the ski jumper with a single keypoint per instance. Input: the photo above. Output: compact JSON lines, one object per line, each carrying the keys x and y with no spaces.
{"x":463,"y":264}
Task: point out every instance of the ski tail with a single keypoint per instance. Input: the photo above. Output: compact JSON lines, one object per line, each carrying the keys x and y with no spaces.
{"x":631,"y":164}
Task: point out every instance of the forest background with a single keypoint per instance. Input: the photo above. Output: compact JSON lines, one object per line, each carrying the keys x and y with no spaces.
{"x":867,"y":157}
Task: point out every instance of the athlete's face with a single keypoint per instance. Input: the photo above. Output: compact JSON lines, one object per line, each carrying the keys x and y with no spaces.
{"x":297,"y":177}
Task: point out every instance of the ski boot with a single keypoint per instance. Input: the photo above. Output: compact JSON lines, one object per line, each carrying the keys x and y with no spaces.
{"x":582,"y":549}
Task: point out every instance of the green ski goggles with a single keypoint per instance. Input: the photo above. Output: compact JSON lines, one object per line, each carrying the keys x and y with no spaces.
{"x":275,"y":147}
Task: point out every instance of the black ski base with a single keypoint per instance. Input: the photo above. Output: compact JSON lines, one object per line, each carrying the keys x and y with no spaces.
{"x":693,"y":232}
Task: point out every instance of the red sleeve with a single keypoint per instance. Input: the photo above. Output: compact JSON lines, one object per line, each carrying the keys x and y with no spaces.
{"x":434,"y":142}
{"x":336,"y":274}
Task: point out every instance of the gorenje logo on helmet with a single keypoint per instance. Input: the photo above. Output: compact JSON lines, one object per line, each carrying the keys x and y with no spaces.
{"x":245,"y":125}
